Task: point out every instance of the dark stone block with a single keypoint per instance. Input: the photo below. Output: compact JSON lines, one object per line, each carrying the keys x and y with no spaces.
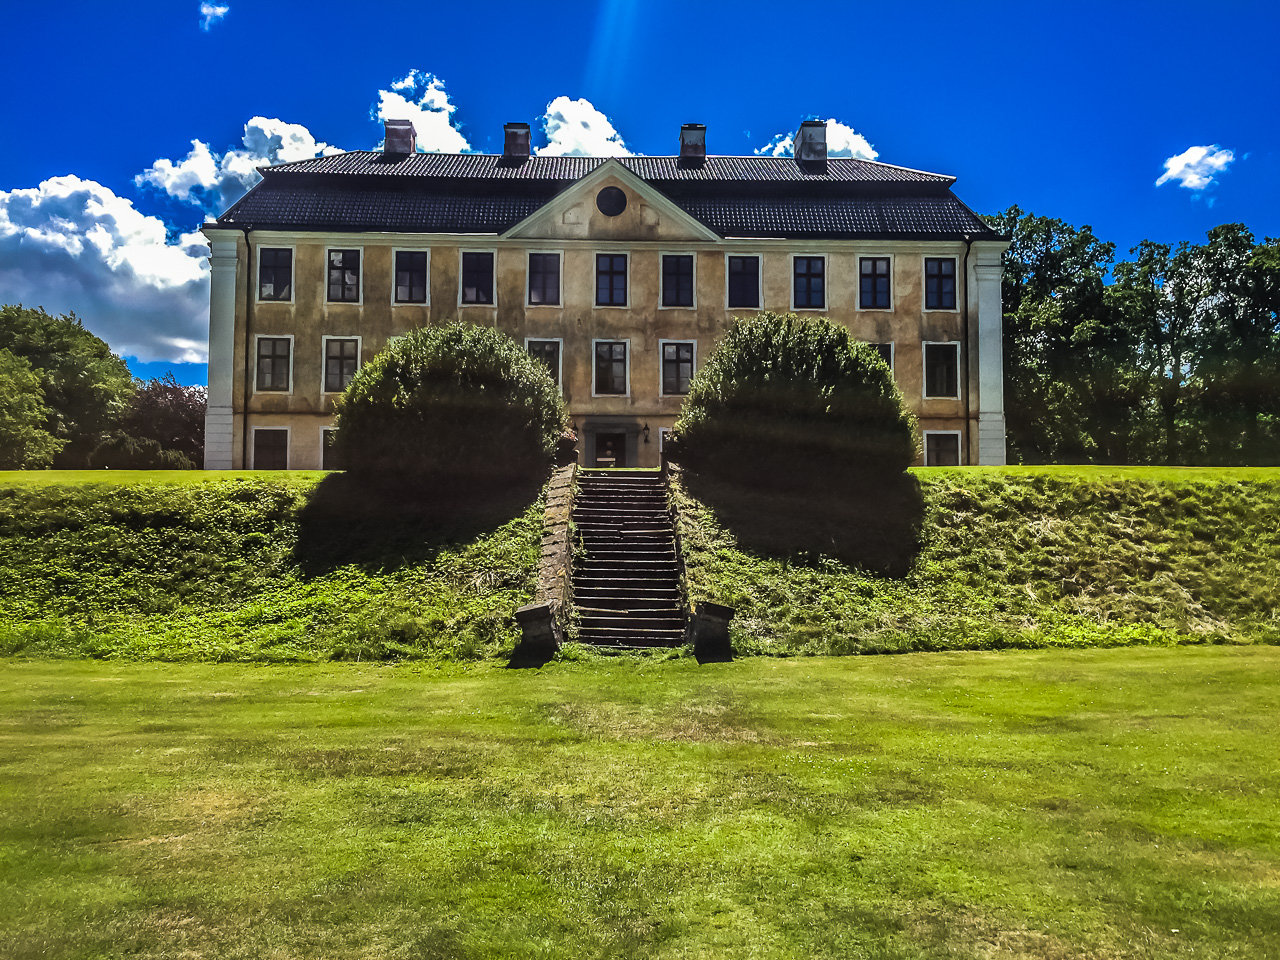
{"x":710,"y":628}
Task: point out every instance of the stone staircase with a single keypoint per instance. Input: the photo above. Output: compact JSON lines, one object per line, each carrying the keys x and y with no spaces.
{"x":626,"y":583}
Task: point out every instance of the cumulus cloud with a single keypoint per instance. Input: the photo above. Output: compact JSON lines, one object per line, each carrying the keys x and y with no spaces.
{"x":212,"y":13}
{"x":842,"y":141}
{"x":73,"y":244}
{"x":575,"y":128}
{"x":214,"y":181}
{"x":421,"y":97}
{"x":1197,"y":167}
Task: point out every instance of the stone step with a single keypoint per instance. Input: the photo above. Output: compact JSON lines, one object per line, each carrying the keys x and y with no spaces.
{"x":607,"y":636}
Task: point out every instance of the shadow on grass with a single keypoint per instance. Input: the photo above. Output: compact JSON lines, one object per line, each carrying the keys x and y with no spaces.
{"x":874,"y":523}
{"x":383,"y":527}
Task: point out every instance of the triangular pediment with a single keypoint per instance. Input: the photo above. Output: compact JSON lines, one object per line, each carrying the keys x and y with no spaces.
{"x":575,"y":213}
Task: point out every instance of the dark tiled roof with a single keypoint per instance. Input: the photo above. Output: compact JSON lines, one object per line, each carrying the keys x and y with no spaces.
{"x":940,"y":217}
{"x":716,"y":169}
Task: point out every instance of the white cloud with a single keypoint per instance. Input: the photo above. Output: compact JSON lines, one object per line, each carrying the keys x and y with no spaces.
{"x":575,"y":128}
{"x":72,"y":244}
{"x":1195,"y":168}
{"x":842,"y":141}
{"x":214,"y":181}
{"x":421,"y":97}
{"x":212,"y":13}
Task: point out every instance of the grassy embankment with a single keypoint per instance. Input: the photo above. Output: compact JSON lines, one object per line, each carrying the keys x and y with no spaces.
{"x":1041,"y":804}
{"x":188,"y":565}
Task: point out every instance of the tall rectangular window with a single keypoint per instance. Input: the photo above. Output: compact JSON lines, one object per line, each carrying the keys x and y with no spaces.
{"x":942,"y":370}
{"x":886,"y":353}
{"x":477,"y":277}
{"x":677,"y":368}
{"x":744,"y":282}
{"x":942,"y":449}
{"x":611,"y":280}
{"x":611,"y":367}
{"x":544,"y":279}
{"x":874,"y":293}
{"x":273,"y":363}
{"x":270,"y":448}
{"x":411,"y":276}
{"x":344,"y":276}
{"x":939,"y":283}
{"x":329,"y":459}
{"x":275,"y":274}
{"x":341,"y":360}
{"x":810,"y":283}
{"x":677,"y":280}
{"x":547,"y":351}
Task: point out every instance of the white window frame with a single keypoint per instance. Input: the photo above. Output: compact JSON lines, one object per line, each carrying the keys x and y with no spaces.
{"x":661,"y":378}
{"x":288,"y":445}
{"x":893,"y":353}
{"x":595,"y":289}
{"x":662,"y":282}
{"x":616,"y":396}
{"x":293,"y":272}
{"x":664,"y":433}
{"x":791,"y":281}
{"x":407,"y":303}
{"x":324,"y":358}
{"x":924,"y":368}
{"x":479,"y":306}
{"x":759,"y":257}
{"x":293,"y":357}
{"x":323,"y":431}
{"x":893,"y":278}
{"x":359,"y":301}
{"x":926,"y":434}
{"x":560,"y":357}
{"x":924,"y":284}
{"x":536,"y":306}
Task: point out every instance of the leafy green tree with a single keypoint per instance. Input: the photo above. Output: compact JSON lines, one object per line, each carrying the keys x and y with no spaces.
{"x":25,"y":444}
{"x":169,"y":414}
{"x":87,"y":388}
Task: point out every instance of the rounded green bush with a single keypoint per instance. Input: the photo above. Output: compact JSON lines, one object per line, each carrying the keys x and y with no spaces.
{"x":787,"y":400}
{"x":451,"y":406}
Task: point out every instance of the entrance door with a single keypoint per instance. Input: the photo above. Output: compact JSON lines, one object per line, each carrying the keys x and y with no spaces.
{"x":611,"y":450}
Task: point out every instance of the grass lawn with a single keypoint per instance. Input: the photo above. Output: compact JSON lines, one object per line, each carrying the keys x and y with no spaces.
{"x":1038,"y":804}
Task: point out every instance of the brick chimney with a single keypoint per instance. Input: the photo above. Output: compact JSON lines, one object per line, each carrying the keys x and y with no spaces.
{"x":515,"y":143}
{"x":400,"y":137}
{"x":693,"y":143}
{"x":811,"y":143}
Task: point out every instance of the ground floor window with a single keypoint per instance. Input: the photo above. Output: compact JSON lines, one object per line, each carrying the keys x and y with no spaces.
{"x":329,"y":458}
{"x":886,"y":353}
{"x":548,"y":352}
{"x":942,"y":448}
{"x":270,"y":448}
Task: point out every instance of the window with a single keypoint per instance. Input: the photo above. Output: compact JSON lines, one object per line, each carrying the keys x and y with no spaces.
{"x":664,"y":434}
{"x":939,"y":283}
{"x":886,"y":353}
{"x":544,"y":279}
{"x":874,"y":294}
{"x":344,"y":276}
{"x":942,"y":370}
{"x":275,"y":274}
{"x":270,"y":448}
{"x":329,"y":459}
{"x":273,"y":363}
{"x":744,"y":282}
{"x":548,"y":351}
{"x":810,"y":283}
{"x":611,"y":280}
{"x":677,"y":368}
{"x":341,"y":359}
{"x":677,"y":280}
{"x":611,"y":368}
{"x":411,"y":276}
{"x":942,"y":449}
{"x":477,"y":277}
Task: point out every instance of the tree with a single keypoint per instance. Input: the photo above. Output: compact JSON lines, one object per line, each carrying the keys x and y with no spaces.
{"x":87,"y":388}
{"x":25,"y":443}
{"x":169,"y":414}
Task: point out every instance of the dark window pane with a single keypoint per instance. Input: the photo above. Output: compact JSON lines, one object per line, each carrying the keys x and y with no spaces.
{"x":411,"y":276}
{"x":344,"y":276}
{"x":744,"y":282}
{"x":611,"y":280}
{"x":611,"y":368}
{"x":939,"y":283}
{"x":942,"y":450}
{"x":329,"y":459}
{"x":810,"y":287}
{"x":677,"y":367}
{"x":341,"y":359}
{"x":270,"y":449}
{"x":886,"y":353}
{"x":677,"y":281}
{"x":874,"y":293}
{"x":941,"y":369}
{"x":544,"y":278}
{"x":477,"y":277}
{"x":275,"y":274}
{"x":547,"y":351}
{"x":273,"y":363}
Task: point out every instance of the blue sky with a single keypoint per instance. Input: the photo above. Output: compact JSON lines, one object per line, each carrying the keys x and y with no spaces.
{"x":1069,"y":110}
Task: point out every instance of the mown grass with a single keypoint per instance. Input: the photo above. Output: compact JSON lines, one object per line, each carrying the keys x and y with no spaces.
{"x":1012,"y":557}
{"x":1040,"y":804}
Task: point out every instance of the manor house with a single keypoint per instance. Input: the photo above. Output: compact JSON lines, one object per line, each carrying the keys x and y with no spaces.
{"x":620,"y":274}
